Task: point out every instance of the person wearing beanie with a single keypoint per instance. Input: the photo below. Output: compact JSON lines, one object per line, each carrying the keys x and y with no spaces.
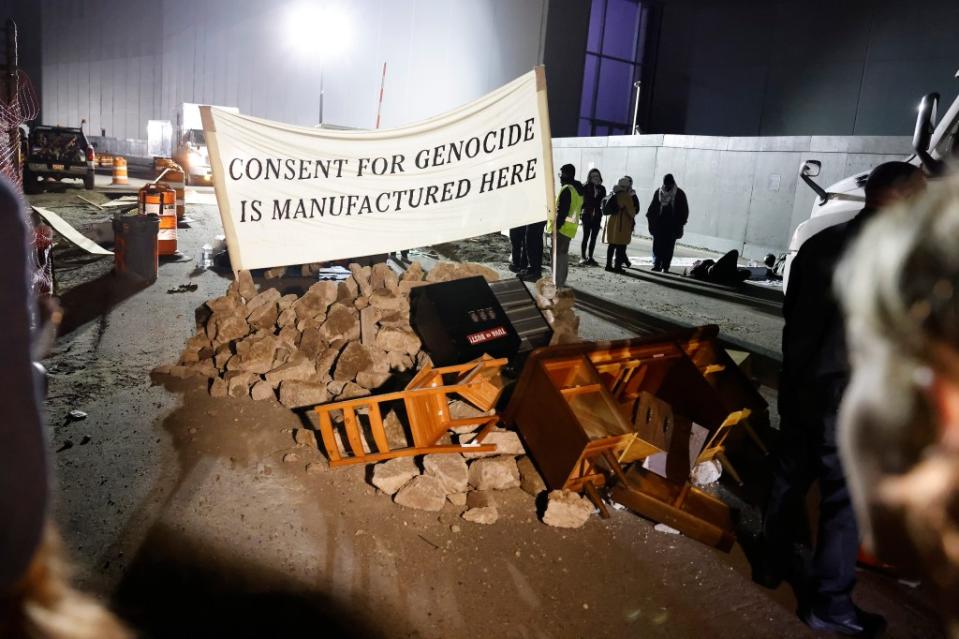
{"x":569,"y":205}
{"x":593,"y":198}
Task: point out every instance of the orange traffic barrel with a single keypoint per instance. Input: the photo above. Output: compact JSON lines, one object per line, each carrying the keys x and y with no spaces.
{"x":160,"y":200}
{"x":175,"y":178}
{"x":119,"y":170}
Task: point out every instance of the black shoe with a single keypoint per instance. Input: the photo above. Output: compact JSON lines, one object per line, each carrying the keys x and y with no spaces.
{"x":620,"y":270}
{"x":856,"y":624}
{"x":515,"y":269}
{"x":656,"y":269}
{"x":627,"y":263}
{"x":609,"y":269}
{"x":592,"y":262}
{"x":530,"y":276}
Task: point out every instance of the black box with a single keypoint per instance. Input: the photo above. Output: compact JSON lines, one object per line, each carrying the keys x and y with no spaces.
{"x":460,"y":320}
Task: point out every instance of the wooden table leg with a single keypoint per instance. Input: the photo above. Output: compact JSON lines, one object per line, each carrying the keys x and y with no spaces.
{"x":594,"y":497}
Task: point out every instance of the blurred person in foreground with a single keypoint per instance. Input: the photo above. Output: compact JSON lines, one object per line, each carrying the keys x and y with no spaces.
{"x":899,"y":424}
{"x":814,"y":376}
{"x":36,"y":600}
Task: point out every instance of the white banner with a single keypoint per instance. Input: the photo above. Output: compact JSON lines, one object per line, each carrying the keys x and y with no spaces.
{"x":295,"y":195}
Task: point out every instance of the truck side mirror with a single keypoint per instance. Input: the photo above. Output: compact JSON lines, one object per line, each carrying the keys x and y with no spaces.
{"x":811,"y":168}
{"x":925,"y":122}
{"x":925,"y":125}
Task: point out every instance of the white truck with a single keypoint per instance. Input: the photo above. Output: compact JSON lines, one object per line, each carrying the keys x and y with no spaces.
{"x":936,"y":145}
{"x":191,"y":152}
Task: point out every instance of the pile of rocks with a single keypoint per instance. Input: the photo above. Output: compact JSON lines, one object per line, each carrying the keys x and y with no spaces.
{"x":557,"y":307}
{"x":337,"y":341}
{"x":469,"y":480}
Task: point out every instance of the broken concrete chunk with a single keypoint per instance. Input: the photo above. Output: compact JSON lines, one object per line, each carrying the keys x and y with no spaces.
{"x":382,"y":278}
{"x":341,"y":323}
{"x":529,"y":478}
{"x":239,"y":382}
{"x":223,"y":329}
{"x":422,"y":493}
{"x":368,"y":317}
{"x":294,"y":394}
{"x":256,"y":354}
{"x":395,"y":433}
{"x":450,"y":470}
{"x":361,"y":302}
{"x":413,"y":273}
{"x":224,"y":305}
{"x":423,"y":360}
{"x":347,"y":290}
{"x":290,"y":335}
{"x":392,"y":475}
{"x":362,"y":276}
{"x":507,"y":443}
{"x":268,"y":296}
{"x":397,"y":339}
{"x":566,"y":509}
{"x":262,"y":390}
{"x":355,"y":358}
{"x":245,"y":286}
{"x":305,"y":437}
{"x":351,"y":391}
{"x":447,"y":271}
{"x":481,"y":508}
{"x":494,"y":473}
{"x":371,"y":380}
{"x":264,"y":316}
{"x":286,"y":318}
{"x":218,"y":388}
{"x":457,"y":499}
{"x":286,"y":301}
{"x":395,"y":319}
{"x":299,"y":367}
{"x":389,"y":301}
{"x":399,"y":361}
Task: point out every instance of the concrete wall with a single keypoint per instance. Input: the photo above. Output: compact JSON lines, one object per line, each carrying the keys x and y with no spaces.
{"x":817,"y":67}
{"x":744,"y":192}
{"x":119,"y":64}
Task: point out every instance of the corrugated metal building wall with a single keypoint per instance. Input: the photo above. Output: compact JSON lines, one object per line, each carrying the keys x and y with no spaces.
{"x":118,"y":64}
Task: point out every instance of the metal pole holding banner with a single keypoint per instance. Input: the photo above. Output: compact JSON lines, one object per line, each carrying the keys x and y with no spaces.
{"x":547,"y":134}
{"x":379,"y":106}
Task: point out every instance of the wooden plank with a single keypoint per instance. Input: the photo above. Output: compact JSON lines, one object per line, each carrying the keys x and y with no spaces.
{"x":580,"y":390}
{"x":353,"y":432}
{"x":326,"y":433}
{"x":376,"y":426}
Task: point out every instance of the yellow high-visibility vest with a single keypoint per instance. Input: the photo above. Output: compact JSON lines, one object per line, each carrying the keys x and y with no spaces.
{"x":572,"y":218}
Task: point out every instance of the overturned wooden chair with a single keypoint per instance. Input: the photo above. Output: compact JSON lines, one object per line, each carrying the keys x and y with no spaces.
{"x":426,"y":400}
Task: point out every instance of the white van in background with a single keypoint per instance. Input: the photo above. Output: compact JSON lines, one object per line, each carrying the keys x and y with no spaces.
{"x":936,"y":144}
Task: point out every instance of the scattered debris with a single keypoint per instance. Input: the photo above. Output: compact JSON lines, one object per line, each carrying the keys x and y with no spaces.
{"x":529,"y":478}
{"x":706,"y":473}
{"x":481,"y":508}
{"x":494,"y":473}
{"x":85,"y":440}
{"x":183,"y":288}
{"x":392,"y":475}
{"x":422,"y":493}
{"x":67,"y":445}
{"x":76,"y":415}
{"x":566,"y":509}
{"x":557,"y":306}
{"x":663,"y":528}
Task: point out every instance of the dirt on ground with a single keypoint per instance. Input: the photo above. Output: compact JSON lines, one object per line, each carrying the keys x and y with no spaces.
{"x":180,"y":511}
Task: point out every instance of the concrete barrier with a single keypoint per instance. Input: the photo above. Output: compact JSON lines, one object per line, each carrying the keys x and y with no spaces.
{"x":744,"y":193}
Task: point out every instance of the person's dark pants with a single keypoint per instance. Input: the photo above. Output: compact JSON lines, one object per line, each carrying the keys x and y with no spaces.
{"x":619,"y":250}
{"x":517,"y":238}
{"x":808,"y":452}
{"x":534,"y":246}
{"x":663,"y":245}
{"x":591,"y":222}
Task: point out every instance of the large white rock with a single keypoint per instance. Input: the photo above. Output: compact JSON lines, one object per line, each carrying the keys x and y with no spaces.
{"x":390,"y":476}
{"x":566,"y":509}
{"x":422,"y":493}
{"x":494,"y":473}
{"x":451,"y":470}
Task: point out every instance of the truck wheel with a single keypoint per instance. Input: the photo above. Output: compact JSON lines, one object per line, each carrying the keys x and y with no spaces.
{"x":88,"y":181}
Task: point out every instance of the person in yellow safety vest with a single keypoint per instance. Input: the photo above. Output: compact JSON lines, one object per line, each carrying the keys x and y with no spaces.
{"x":569,"y":205}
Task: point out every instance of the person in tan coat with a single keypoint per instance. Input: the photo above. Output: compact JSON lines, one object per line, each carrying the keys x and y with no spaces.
{"x":621,"y":208}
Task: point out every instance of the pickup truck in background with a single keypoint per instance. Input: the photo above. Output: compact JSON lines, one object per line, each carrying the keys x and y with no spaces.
{"x":57,"y":152}
{"x":935,"y":143}
{"x":191,"y":151}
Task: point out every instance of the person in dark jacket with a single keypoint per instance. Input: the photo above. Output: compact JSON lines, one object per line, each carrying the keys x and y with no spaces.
{"x":569,"y":205}
{"x":667,"y":215}
{"x":814,"y":377}
{"x":592,"y":218}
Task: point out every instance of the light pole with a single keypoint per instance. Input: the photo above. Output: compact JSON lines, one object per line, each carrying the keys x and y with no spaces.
{"x":319,"y":31}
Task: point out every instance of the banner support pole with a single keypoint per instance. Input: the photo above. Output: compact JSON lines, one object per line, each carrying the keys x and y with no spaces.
{"x":547,"y":134}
